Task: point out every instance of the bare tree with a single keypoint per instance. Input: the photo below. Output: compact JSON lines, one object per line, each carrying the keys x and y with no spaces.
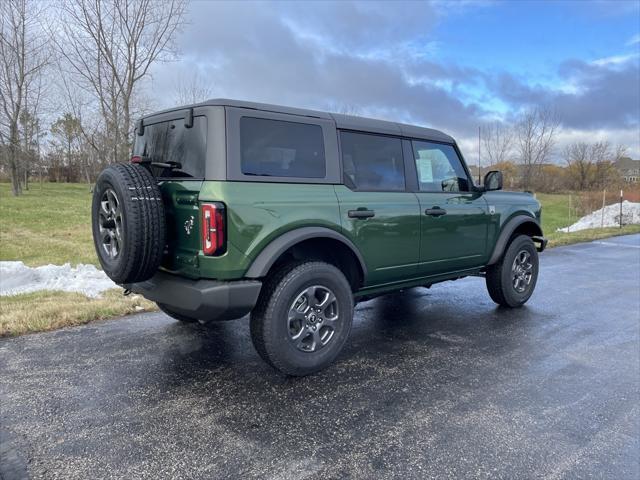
{"x":192,"y":89}
{"x":592,"y":165}
{"x":535,"y":138}
{"x":344,"y":108}
{"x":109,"y":46}
{"x":577,"y":156}
{"x":30,"y":126}
{"x":67,"y":135}
{"x":497,"y":142}
{"x":604,"y":157}
{"x":23,"y":58}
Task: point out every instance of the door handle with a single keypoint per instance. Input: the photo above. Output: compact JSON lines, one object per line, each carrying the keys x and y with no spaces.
{"x":435,"y":211}
{"x":361,"y":213}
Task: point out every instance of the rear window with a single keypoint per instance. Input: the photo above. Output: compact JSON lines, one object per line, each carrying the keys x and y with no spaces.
{"x":171,"y":142}
{"x":277,"y":148}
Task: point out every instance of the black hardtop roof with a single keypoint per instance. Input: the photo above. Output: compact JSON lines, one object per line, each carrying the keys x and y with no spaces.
{"x":348,"y":122}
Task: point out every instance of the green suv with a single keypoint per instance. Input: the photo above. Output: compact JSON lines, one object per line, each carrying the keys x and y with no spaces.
{"x":229,"y":208}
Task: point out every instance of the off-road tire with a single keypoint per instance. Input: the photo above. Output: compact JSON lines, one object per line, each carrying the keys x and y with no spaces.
{"x":177,"y":316}
{"x":499,"y":276}
{"x":269,"y":319}
{"x":143,"y":229}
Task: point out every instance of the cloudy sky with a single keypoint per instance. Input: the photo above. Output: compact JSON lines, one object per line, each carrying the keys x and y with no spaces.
{"x":445,"y":64}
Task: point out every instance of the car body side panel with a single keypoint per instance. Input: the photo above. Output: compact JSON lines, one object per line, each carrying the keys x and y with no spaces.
{"x":182,"y":213}
{"x":505,"y":205}
{"x":456,"y":240}
{"x":388,"y":241}
{"x":258,"y":213}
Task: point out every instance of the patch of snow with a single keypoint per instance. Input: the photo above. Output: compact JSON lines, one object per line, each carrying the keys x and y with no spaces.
{"x":630,"y":215}
{"x":16,"y":277}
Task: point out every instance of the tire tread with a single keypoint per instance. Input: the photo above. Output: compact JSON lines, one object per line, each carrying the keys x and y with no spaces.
{"x":145,"y":224}
{"x":260,"y":326}
{"x":494,"y":276}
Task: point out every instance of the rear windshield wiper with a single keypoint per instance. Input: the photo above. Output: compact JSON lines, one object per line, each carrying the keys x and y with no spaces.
{"x":144,"y":160}
{"x":170,"y":164}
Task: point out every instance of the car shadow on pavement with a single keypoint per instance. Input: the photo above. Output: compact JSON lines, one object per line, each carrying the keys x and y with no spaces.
{"x":410,"y":322}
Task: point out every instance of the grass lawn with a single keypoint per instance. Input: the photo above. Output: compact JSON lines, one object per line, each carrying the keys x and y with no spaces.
{"x":51,"y":223}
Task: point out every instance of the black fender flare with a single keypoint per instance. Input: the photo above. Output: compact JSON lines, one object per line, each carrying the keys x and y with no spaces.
{"x":507,"y":231}
{"x":268,"y":256}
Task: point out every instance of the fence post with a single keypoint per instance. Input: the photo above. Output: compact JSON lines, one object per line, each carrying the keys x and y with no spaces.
{"x":569,"y":224}
{"x":604,"y":200}
{"x":620,"y":208}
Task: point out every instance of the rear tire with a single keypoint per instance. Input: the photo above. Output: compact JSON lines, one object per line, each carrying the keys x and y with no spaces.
{"x":181,"y":318}
{"x":512,"y":280}
{"x":128,"y":223}
{"x":303,"y":317}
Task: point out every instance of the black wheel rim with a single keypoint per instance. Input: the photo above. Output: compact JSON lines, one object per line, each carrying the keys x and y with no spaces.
{"x":313,"y":318}
{"x":522,"y":271}
{"x":110,"y":224}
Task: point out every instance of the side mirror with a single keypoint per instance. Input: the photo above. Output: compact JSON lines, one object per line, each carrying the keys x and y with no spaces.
{"x":493,"y":181}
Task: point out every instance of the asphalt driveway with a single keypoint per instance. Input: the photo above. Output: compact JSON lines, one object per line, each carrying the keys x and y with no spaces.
{"x":433,"y":383}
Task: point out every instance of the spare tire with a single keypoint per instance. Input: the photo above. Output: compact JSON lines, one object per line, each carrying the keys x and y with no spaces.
{"x":128,"y":223}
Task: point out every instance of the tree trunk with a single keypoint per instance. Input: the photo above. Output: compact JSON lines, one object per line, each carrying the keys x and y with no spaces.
{"x":14,"y":164}
{"x":16,"y":188}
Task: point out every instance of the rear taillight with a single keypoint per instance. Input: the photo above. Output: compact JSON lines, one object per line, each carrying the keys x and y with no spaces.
{"x":213,"y":228}
{"x":136,"y":159}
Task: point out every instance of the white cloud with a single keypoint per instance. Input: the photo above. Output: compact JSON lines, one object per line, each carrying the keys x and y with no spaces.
{"x":629,"y":137}
{"x":614,"y":60}
{"x":634,"y":40}
{"x":369,"y":57}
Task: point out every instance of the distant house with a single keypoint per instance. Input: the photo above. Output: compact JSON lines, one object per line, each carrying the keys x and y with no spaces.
{"x":629,"y":169}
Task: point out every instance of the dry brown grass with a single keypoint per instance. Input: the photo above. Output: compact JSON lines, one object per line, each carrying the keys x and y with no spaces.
{"x":41,"y":311}
{"x":557,"y":239}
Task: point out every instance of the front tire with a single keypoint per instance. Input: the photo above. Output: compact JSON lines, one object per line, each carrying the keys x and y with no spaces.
{"x":512,"y":280}
{"x":303,"y":317}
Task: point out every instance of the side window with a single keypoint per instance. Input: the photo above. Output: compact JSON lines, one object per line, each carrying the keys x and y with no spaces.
{"x":372,"y":162}
{"x":439,"y":168}
{"x":277,"y":148}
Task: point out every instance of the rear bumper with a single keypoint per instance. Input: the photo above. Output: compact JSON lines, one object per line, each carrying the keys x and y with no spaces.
{"x":541,"y":241}
{"x":202,"y":299}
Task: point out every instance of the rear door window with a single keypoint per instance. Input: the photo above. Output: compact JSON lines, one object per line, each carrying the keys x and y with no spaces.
{"x":171,"y":142}
{"x":276,"y":148}
{"x":372,"y":162}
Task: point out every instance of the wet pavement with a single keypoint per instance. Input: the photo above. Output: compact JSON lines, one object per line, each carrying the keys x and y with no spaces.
{"x":433,"y":383}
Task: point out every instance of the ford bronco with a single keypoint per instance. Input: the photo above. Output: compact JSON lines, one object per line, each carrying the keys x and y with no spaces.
{"x":229,"y":208}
